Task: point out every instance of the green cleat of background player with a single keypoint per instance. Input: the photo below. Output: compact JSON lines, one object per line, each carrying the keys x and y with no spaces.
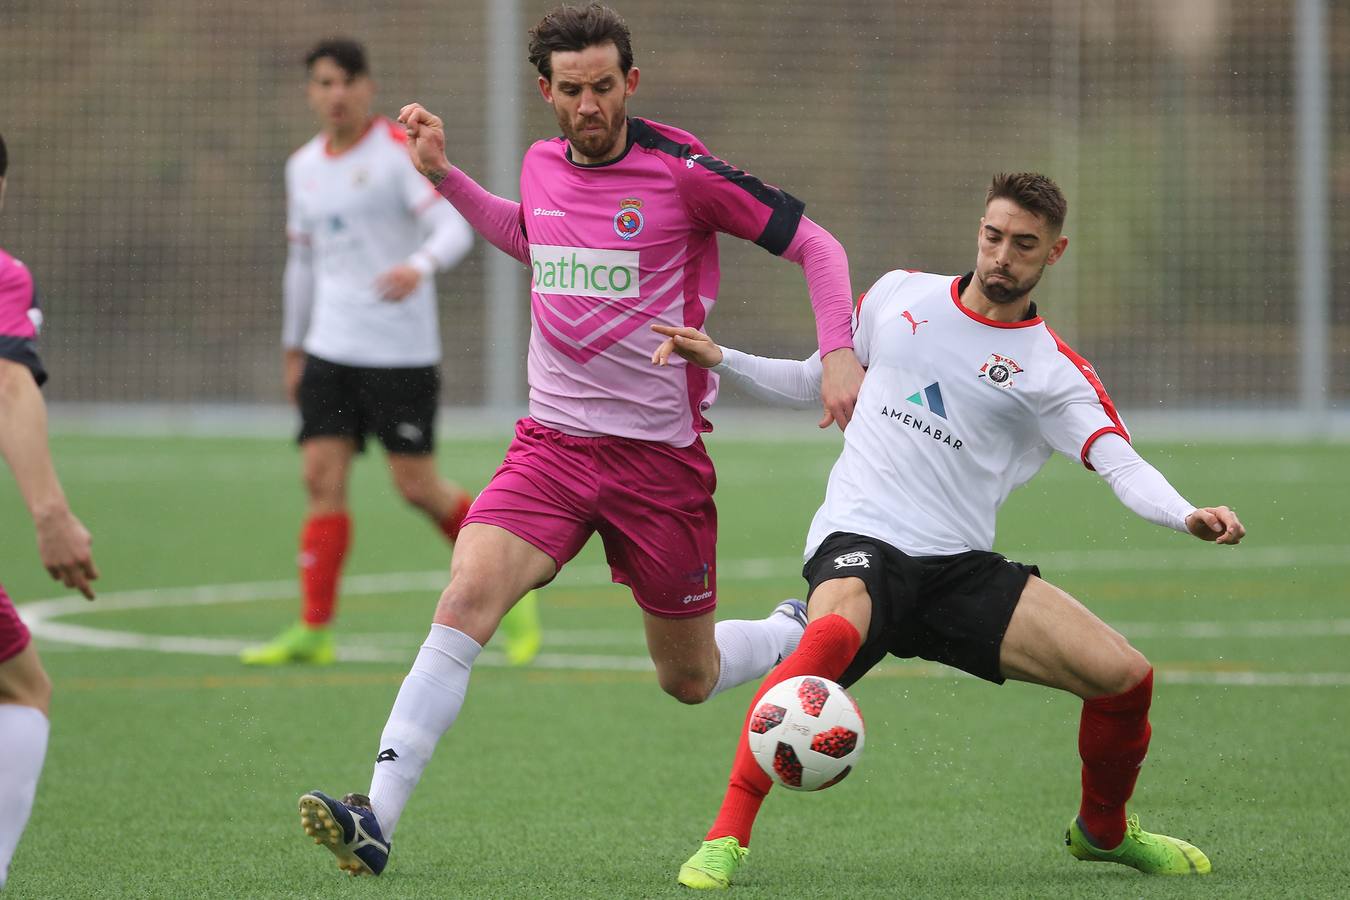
{"x":522,"y":631}
{"x":711,"y":868}
{"x":1152,"y":854}
{"x":297,"y":644}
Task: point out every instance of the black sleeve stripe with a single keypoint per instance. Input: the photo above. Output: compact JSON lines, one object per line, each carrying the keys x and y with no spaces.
{"x":787,"y":210}
{"x":23,"y":351}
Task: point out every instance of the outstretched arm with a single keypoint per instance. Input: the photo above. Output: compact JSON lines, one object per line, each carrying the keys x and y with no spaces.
{"x":63,"y":542}
{"x":825,"y":265}
{"x":783,"y":382}
{"x":497,"y":219}
{"x":1146,"y":492}
{"x":723,"y":198}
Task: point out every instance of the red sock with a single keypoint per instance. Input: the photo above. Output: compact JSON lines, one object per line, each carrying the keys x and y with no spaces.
{"x":450,"y":524}
{"x":1112,"y":739}
{"x":826,"y":649}
{"x":323,"y":546}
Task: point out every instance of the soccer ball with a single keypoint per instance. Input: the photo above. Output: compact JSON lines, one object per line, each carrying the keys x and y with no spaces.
{"x":806,"y":733}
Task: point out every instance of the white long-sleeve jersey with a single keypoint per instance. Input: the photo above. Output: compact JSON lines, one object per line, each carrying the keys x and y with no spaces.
{"x":351,"y":217}
{"x":955,"y":411}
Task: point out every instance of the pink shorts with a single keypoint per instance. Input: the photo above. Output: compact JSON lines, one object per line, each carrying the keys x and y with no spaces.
{"x":651,"y":503}
{"x":13,"y":633}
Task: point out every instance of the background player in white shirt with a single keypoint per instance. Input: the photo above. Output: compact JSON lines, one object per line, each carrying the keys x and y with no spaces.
{"x":361,"y":343}
{"x":62,"y":541}
{"x":966,"y":396}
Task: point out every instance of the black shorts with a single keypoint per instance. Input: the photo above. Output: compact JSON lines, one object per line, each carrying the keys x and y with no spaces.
{"x":396,"y":405}
{"x":948,"y":609}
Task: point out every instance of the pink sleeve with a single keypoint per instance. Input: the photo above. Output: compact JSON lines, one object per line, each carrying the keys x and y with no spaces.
{"x":497,"y":219}
{"x":825,"y":264}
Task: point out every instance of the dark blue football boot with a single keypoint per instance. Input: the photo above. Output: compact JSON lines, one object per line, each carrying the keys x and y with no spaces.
{"x":348,"y":828}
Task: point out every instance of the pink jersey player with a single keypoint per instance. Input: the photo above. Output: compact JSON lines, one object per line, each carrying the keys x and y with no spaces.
{"x":614,"y":248}
{"x":617,"y":222}
{"x":62,"y":542}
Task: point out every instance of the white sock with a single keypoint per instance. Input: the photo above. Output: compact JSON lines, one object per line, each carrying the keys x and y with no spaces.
{"x":425,"y":708}
{"x":23,"y":745}
{"x":749,"y":649}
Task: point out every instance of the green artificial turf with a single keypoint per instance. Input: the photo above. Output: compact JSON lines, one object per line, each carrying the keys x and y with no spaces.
{"x":176,"y":774}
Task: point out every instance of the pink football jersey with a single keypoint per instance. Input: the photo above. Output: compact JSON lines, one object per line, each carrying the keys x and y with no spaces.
{"x":616,"y":247}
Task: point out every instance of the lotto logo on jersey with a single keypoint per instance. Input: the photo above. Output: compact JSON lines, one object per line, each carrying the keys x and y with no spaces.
{"x":584,"y":272}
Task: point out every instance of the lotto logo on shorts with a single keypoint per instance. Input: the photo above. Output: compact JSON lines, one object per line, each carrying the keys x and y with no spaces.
{"x":856,"y":559}
{"x":583,"y":272}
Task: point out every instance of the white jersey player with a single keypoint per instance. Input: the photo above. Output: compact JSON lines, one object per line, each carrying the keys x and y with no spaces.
{"x":352,"y":217}
{"x":360,"y":336}
{"x":955,"y":412}
{"x":967,"y":394}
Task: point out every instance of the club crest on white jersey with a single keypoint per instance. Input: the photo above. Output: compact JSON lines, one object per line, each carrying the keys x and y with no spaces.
{"x":999,"y":371}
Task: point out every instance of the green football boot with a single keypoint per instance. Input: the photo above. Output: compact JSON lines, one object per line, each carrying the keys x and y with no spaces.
{"x":711,"y":868}
{"x":297,"y":644}
{"x":522,"y":631}
{"x":1152,"y":854}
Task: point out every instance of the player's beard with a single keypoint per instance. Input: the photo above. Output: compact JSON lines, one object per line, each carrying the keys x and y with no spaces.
{"x":1005,"y":292}
{"x":596,"y":145}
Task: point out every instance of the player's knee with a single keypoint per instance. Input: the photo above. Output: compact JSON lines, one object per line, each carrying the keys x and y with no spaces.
{"x":689,"y":692}
{"x":321,"y":483}
{"x":33,"y":689}
{"x":1128,"y":669}
{"x":472,"y":605}
{"x":416,"y":492}
{"x":1134,"y":668}
{"x":690,"y":688}
{"x":459,"y":603}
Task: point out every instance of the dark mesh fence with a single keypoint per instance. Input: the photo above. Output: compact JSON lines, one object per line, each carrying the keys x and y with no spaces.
{"x":147,"y":141}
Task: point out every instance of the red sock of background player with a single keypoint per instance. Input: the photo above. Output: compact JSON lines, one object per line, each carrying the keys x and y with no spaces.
{"x":323,"y":547}
{"x":827,"y":647}
{"x":450,"y":524}
{"x":1112,"y":739}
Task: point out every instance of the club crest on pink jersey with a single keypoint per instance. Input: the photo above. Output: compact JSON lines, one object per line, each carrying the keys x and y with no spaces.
{"x":628,"y":220}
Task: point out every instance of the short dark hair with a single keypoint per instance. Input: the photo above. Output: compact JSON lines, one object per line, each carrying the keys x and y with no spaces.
{"x":4,"y":157}
{"x":576,"y":28}
{"x":1034,"y":193}
{"x":349,"y":55}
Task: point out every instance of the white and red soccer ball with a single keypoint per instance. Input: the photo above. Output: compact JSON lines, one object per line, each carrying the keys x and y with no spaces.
{"x":806,"y":733}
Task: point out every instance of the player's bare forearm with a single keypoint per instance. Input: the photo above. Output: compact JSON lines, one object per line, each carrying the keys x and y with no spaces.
{"x":689,"y":343}
{"x":63,"y":543}
{"x":1218,"y":524}
{"x":840,"y":382}
{"x":426,"y":142}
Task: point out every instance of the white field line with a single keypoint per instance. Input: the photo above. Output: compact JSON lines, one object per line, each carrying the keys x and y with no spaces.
{"x":41,"y":616}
